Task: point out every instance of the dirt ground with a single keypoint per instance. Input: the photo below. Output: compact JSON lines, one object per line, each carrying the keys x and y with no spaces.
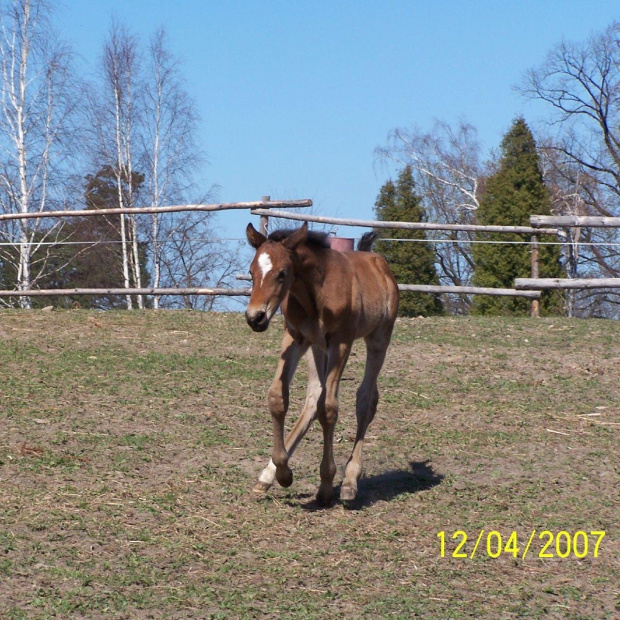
{"x":129,"y":443}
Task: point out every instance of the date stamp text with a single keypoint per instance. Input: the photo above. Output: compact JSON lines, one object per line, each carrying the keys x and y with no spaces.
{"x":542,"y":544}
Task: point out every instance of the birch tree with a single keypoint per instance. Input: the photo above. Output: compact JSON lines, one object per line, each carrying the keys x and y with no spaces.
{"x":144,"y":122}
{"x":171,"y":155}
{"x":184,"y":250}
{"x":449,"y":176}
{"x":37,"y":103}
{"x":447,"y":162}
{"x":115,"y":118}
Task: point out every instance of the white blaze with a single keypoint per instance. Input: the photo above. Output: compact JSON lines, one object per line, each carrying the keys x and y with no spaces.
{"x":265,"y":264}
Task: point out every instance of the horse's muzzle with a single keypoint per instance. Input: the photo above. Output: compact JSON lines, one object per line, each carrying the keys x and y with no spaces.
{"x":258,"y":321}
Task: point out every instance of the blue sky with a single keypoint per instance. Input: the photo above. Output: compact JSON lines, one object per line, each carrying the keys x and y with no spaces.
{"x":295,"y":96}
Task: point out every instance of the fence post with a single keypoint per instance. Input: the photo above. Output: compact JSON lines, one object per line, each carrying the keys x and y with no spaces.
{"x":264,"y":219}
{"x":534,"y":272}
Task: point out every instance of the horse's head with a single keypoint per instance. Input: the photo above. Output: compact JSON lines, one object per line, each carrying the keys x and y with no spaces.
{"x":272,"y":274}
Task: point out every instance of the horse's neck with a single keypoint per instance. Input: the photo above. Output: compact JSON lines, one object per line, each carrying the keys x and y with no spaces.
{"x":308,"y":276}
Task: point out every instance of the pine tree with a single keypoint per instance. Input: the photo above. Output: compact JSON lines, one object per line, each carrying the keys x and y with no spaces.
{"x":93,"y":259}
{"x":411,"y":262}
{"x":512,"y":194}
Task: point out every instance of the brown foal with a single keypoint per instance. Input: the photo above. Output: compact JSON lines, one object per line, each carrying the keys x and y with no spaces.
{"x":328,"y":299}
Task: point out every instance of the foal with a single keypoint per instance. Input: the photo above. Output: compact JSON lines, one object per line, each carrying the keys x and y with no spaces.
{"x":328,"y":299}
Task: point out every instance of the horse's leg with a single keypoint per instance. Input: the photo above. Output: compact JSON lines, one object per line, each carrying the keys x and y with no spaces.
{"x":278,"y":399}
{"x":338,"y":355}
{"x":316,"y":361}
{"x":365,"y":409}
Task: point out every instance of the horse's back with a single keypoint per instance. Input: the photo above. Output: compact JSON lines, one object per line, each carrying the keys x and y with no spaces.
{"x":375,"y":294}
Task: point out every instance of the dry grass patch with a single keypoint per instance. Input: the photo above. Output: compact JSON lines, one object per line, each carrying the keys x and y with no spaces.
{"x":129,"y":443}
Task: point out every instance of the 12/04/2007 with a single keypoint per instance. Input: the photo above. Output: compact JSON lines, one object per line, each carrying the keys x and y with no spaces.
{"x":578,"y":545}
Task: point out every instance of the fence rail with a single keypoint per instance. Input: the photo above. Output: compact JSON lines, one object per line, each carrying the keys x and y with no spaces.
{"x":422,"y":288}
{"x":566,"y":221}
{"x":464,"y":290}
{"x":225,"y":206}
{"x":320,"y":219}
{"x":570,"y":221}
{"x":565,"y":283}
{"x":231,"y":292}
{"x":469,"y":290}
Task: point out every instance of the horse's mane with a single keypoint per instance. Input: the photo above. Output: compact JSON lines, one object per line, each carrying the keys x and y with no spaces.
{"x":314,"y":239}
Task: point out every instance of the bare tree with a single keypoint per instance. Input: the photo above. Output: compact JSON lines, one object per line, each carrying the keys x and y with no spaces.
{"x":447,"y":161}
{"x":193,"y":257}
{"x":449,"y":176}
{"x":581,"y":82}
{"x":184,"y":252}
{"x":147,"y":122}
{"x":170,"y":153}
{"x":37,"y":103}
{"x":567,"y":185}
{"x":115,"y":111}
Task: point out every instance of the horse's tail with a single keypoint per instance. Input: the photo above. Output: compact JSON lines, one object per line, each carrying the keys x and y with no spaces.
{"x":365,"y":243}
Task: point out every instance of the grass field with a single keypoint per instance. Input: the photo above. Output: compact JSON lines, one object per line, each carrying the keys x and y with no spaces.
{"x":129,"y":443}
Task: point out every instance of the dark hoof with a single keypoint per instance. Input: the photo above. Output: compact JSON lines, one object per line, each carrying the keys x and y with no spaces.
{"x":325,"y":497}
{"x":284,"y":477}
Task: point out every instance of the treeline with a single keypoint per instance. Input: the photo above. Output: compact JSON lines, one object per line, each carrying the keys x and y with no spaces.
{"x":125,"y":138}
{"x":572,"y":167}
{"x":492,"y":260}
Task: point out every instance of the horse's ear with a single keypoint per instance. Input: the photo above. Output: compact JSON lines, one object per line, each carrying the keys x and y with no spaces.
{"x":299,"y":236}
{"x":255,"y":239}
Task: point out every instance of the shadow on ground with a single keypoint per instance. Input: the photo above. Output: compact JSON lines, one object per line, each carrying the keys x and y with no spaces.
{"x":385,"y":487}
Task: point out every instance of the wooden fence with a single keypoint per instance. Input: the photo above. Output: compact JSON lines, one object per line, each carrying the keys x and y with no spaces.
{"x":266,"y":208}
{"x":230,"y":292}
{"x":424,"y":288}
{"x":468,"y":290}
{"x":539,"y":222}
{"x":225,"y":206}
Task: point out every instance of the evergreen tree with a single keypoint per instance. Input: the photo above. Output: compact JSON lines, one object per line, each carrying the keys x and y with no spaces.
{"x":93,"y":259}
{"x":512,"y":194}
{"x":411,"y":262}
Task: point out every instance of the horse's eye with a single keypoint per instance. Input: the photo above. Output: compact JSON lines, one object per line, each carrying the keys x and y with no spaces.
{"x":282,"y":276}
